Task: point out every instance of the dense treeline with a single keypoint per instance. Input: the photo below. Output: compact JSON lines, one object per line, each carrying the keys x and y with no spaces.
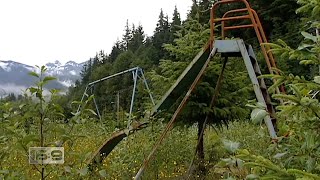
{"x":136,"y":49}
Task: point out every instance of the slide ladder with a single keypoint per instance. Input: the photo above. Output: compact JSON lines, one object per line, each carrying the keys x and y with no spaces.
{"x":262,"y":84}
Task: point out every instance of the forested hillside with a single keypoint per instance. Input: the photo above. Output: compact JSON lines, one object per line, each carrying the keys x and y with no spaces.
{"x":178,"y":42}
{"x":235,"y":143}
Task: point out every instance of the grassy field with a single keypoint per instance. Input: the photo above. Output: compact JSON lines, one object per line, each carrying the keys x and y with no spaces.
{"x":172,"y":160}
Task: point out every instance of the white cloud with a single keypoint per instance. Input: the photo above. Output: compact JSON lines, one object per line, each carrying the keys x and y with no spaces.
{"x":5,"y":89}
{"x":38,"y":31}
{"x":11,"y":88}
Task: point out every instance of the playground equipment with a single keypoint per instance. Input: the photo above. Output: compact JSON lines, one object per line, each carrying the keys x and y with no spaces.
{"x":137,"y":73}
{"x":227,"y":48}
{"x":192,"y":74}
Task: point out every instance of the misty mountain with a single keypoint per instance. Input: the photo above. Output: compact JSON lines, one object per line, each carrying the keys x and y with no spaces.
{"x":14,"y":76}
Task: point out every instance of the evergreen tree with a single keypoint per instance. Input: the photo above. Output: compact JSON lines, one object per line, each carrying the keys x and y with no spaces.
{"x":102,"y":57}
{"x":200,"y":11}
{"x":138,"y":38}
{"x":147,"y":56}
{"x":86,"y":72}
{"x":11,"y":97}
{"x":116,"y":50}
{"x":126,"y":37}
{"x":175,"y":24}
{"x":20,"y":97}
{"x":161,"y":36}
{"x":95,"y":61}
{"x":279,"y":19}
{"x":194,"y":11}
{"x":204,"y":8}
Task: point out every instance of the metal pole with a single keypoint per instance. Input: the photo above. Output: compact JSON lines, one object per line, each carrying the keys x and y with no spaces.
{"x":84,"y":93}
{"x":95,"y":103}
{"x":146,"y":84}
{"x":117,"y":74}
{"x":135,"y":77}
{"x":118,"y":108}
{"x":212,"y":104}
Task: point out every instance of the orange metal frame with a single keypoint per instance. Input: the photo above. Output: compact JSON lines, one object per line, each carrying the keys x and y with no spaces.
{"x":255,"y":23}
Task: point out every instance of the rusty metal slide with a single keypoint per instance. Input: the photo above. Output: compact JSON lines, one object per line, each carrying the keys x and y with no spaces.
{"x":105,"y":149}
{"x":182,"y":84}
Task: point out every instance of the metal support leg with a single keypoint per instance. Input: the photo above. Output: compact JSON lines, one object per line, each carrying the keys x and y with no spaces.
{"x":135,"y":77}
{"x":256,"y":86}
{"x":146,"y":84}
{"x":118,"y":108}
{"x":95,"y":103}
{"x":212,"y":103}
{"x":84,"y":94}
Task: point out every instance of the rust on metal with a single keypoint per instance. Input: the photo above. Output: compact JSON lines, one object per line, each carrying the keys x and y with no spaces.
{"x":255,"y":24}
{"x":105,"y":149}
{"x":238,"y":27}
{"x":232,"y":18}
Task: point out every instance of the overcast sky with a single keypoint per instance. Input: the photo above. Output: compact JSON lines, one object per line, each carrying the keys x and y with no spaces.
{"x":35,"y":32}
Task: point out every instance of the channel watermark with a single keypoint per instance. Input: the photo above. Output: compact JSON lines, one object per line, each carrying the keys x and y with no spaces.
{"x":46,"y":155}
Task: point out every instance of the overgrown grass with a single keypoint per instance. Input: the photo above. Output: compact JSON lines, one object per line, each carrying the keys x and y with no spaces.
{"x":171,"y":161}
